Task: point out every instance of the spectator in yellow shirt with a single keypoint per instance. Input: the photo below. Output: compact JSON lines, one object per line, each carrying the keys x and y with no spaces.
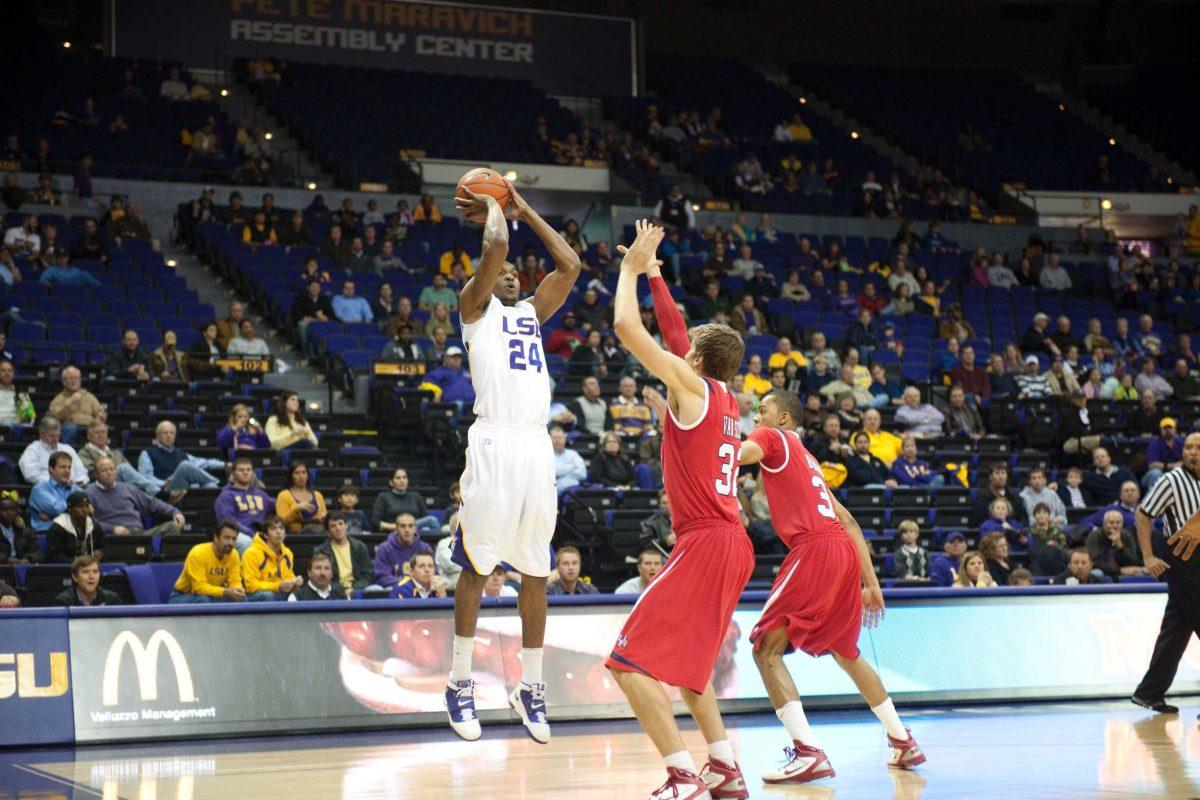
{"x":427,"y":211}
{"x":799,"y":131}
{"x":212,"y":571}
{"x":260,"y":231}
{"x":784,"y":353}
{"x":268,"y":565}
{"x":884,"y":446}
{"x":1191,"y":231}
{"x":754,"y":380}
{"x":455,"y":255}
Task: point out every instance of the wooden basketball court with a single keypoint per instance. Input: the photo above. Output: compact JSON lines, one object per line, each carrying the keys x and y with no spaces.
{"x":1080,"y":750}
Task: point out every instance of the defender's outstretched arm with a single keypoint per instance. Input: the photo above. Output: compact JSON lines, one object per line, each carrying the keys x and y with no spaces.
{"x":671,"y":369}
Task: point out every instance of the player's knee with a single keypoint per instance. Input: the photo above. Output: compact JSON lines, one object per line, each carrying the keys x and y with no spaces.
{"x":770,"y":649}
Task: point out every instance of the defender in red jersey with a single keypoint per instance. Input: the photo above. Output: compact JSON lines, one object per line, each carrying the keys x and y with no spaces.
{"x":819,"y":602}
{"x":675,"y":630}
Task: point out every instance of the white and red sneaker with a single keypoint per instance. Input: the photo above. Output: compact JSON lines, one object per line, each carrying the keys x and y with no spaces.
{"x":682,"y":785}
{"x":906,"y":753}
{"x":724,"y":780}
{"x":804,"y":764}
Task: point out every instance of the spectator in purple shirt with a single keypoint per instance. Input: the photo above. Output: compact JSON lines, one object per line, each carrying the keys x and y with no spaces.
{"x":243,"y":502}
{"x":1126,"y":503}
{"x":844,"y":300}
{"x":908,"y":470}
{"x":399,"y":548}
{"x":241,"y":433}
{"x":1165,"y":453}
{"x":943,"y":567}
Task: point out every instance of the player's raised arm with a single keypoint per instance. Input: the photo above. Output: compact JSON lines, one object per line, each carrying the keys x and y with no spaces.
{"x":476,"y":295}
{"x":671,"y":369}
{"x":666,"y":313}
{"x":552,"y":292}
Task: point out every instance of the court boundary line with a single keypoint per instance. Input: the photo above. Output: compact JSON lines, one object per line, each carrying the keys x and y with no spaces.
{"x":68,"y":782}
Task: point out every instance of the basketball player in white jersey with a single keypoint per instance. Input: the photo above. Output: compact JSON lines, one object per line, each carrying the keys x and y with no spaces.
{"x":509,"y":501}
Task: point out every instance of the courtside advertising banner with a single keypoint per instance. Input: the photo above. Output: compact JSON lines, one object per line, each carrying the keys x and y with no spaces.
{"x":562,"y":53}
{"x":35,"y":679}
{"x":197,"y":674}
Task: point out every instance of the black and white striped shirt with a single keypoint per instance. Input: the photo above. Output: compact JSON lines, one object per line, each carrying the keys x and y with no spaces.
{"x":1176,"y":498}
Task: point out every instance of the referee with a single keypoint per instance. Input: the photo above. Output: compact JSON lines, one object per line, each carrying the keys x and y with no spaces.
{"x":1175,"y":498}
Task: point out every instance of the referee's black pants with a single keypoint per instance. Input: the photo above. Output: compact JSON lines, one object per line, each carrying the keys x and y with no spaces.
{"x":1181,"y":619}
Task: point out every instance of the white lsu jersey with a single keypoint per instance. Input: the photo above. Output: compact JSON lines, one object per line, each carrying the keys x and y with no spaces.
{"x":508,"y":365}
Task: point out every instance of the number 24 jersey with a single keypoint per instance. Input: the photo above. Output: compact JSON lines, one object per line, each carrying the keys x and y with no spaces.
{"x":508,"y":364}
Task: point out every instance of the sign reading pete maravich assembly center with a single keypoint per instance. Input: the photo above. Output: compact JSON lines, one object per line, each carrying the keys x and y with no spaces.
{"x":560,"y":53}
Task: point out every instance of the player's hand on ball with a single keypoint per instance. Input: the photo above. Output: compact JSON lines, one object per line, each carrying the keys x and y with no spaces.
{"x":474,"y":206}
{"x":517,"y":207}
{"x":873,"y":606}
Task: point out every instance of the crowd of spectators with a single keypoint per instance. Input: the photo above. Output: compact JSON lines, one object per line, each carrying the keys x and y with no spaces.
{"x":871,"y":425}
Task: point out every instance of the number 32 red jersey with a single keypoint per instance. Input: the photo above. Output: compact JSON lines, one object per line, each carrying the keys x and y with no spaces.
{"x":700,"y":462}
{"x":795,"y":486}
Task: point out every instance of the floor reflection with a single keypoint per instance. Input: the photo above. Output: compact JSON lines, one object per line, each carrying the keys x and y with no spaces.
{"x":1078,"y":750}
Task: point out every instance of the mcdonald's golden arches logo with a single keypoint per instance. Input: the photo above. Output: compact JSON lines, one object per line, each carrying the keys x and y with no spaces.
{"x":145,"y":660}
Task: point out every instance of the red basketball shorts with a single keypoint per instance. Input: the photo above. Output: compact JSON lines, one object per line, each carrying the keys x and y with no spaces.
{"x":817,"y":597}
{"x":676,"y":628}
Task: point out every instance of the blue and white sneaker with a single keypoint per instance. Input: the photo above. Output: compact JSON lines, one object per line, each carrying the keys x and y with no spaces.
{"x":460,"y":707}
{"x":529,"y":701}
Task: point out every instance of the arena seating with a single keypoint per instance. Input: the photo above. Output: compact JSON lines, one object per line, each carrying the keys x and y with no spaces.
{"x":1146,"y":106}
{"x":407,"y":426}
{"x":442,"y":115}
{"x":751,"y":107}
{"x":83,"y":324}
{"x":46,"y":88}
{"x":1028,"y":139}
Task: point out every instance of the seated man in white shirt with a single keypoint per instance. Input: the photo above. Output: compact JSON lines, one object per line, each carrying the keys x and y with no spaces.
{"x":495,"y":586}
{"x":35,"y":461}
{"x":173,"y":88}
{"x":650,"y":561}
{"x":247,"y":343}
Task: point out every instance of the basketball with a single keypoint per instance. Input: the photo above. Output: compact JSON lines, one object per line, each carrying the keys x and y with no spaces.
{"x":483,"y":180}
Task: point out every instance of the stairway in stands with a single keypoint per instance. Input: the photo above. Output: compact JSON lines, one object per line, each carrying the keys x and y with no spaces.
{"x":297,"y":376}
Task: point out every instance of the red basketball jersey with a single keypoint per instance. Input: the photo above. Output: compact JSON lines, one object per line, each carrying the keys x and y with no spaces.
{"x":700,"y":467}
{"x":796,"y":491}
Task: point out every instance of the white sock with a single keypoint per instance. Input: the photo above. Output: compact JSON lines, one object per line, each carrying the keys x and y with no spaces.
{"x":886,"y":711}
{"x":792,"y":717}
{"x":531,"y":665}
{"x":722,"y":751}
{"x":681,"y":760}
{"x":460,"y":666}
